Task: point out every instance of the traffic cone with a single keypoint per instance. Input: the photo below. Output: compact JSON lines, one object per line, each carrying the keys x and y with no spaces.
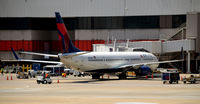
{"x":102,"y":77}
{"x":181,"y":78}
{"x":7,"y":78}
{"x":108,"y":76}
{"x":152,"y":76}
{"x":146,"y":77}
{"x":11,"y":78}
{"x":58,"y":81}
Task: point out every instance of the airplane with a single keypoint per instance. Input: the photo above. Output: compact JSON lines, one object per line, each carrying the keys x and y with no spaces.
{"x":27,"y":60}
{"x":99,"y":63}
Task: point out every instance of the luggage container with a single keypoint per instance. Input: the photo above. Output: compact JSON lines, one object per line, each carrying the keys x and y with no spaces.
{"x":55,"y":70}
{"x":170,"y":76}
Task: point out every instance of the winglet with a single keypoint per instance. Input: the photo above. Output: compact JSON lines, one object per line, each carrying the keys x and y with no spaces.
{"x":13,"y":51}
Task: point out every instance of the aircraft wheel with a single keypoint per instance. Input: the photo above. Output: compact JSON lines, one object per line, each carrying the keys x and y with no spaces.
{"x":164,"y":82}
{"x":45,"y":82}
{"x":122,"y":76}
{"x":38,"y":82}
{"x":95,"y":76}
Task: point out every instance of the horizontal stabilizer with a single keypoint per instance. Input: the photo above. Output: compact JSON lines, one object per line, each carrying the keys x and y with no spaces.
{"x":40,"y":54}
{"x":26,"y":60}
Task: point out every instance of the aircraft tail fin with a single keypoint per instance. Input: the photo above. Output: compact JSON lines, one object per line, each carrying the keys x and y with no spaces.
{"x":13,"y":51}
{"x":67,"y":45}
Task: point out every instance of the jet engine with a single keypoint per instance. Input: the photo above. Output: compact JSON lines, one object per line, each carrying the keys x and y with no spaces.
{"x":143,"y":70}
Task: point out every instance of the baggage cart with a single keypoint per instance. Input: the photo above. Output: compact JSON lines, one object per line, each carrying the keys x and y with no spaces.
{"x":170,"y":77}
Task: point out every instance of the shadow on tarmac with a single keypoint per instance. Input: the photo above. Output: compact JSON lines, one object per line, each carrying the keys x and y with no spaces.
{"x":100,"y":80}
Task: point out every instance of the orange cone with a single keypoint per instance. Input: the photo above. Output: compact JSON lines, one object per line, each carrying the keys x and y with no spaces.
{"x":7,"y":78}
{"x":181,"y":78}
{"x":152,"y":76}
{"x":108,"y":76}
{"x":58,"y":81}
{"x":11,"y":78}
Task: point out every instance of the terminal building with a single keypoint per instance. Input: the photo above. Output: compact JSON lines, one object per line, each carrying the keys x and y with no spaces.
{"x":163,"y":27}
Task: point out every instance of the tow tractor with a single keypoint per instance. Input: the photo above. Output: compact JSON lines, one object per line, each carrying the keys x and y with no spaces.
{"x":191,"y":79}
{"x":44,"y":78}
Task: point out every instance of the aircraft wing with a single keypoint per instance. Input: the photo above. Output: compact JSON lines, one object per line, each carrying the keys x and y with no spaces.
{"x":56,"y":56}
{"x":39,"y":61}
{"x":26,"y":60}
{"x":40,"y":54}
{"x":68,"y":55}
{"x":148,"y":63}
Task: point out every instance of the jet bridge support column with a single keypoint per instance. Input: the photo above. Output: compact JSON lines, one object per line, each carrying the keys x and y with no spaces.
{"x":188,"y":62}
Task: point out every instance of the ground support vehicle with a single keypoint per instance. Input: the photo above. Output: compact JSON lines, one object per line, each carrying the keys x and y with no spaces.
{"x":32,"y":73}
{"x":55,"y":70}
{"x":22,"y":75}
{"x":69,"y":71}
{"x":191,"y":79}
{"x":44,"y":78}
{"x":170,"y":76}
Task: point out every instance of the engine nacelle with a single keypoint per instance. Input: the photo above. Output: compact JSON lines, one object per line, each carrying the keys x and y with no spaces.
{"x":143,"y":70}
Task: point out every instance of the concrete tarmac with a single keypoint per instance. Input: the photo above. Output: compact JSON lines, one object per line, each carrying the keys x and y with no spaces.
{"x":74,"y":90}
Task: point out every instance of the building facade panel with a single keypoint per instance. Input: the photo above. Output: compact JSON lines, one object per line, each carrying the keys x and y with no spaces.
{"x":15,"y":35}
{"x":45,"y":8}
{"x":13,"y":8}
{"x":82,"y":8}
{"x":195,"y":5}
{"x":157,"y":7}
{"x":92,"y":8}
{"x":122,"y":34}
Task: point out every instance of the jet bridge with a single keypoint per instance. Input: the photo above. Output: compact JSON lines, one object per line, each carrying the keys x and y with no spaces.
{"x":155,"y":47}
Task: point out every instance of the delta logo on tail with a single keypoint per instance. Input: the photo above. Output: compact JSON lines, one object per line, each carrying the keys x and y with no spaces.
{"x":64,"y":37}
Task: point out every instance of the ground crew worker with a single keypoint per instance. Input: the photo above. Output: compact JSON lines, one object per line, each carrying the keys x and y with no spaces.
{"x":46,"y":75}
{"x":1,"y":66}
{"x":2,"y":70}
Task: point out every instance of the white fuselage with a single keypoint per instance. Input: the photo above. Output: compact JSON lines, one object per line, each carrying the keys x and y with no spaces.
{"x":107,"y":60}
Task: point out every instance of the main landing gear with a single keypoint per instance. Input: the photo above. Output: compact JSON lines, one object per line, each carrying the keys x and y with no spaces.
{"x":122,"y":76}
{"x":96,"y":76}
